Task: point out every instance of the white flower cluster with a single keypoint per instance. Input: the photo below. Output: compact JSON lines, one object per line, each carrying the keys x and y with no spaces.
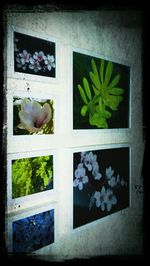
{"x":104,"y":198}
{"x":36,"y":62}
{"x":88,"y":162}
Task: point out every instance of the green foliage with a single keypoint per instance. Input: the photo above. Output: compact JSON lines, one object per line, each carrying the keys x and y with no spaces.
{"x":31,"y":175}
{"x":105,"y":95}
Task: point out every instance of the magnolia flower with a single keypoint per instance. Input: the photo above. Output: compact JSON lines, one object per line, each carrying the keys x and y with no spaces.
{"x":33,"y":116}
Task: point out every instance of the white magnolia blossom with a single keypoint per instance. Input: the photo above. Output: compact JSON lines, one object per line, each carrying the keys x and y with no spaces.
{"x":33,"y":116}
{"x":81,"y":178}
{"x":110,"y":199}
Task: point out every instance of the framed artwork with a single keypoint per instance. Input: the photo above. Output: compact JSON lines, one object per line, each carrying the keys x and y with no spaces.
{"x":30,"y":231}
{"x":33,"y":57}
{"x":101,"y":93}
{"x":32,"y":116}
{"x":101,"y":183}
{"x":30,"y":175}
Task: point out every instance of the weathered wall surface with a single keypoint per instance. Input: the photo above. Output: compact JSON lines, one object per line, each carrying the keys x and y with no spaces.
{"x":115,"y":35}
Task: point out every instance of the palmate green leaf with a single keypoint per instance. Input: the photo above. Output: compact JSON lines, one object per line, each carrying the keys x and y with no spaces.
{"x":102,"y":70}
{"x":116,"y":91}
{"x":114,"y":82}
{"x":108,"y":73}
{"x":82,"y":93}
{"x":87,"y":88}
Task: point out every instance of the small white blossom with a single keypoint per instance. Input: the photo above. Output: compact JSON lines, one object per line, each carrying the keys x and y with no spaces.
{"x":110,"y":199}
{"x":100,"y":198}
{"x":49,"y":61}
{"x":109,"y":172}
{"x":81,"y":178}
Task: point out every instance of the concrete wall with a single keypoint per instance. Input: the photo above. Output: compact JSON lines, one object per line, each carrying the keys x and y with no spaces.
{"x":114,"y":35}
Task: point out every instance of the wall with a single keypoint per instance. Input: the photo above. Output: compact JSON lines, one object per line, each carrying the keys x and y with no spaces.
{"x":115,"y":35}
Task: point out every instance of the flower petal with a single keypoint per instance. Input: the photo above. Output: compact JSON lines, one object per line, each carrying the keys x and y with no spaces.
{"x":85,"y":179}
{"x":75,"y":182}
{"x":26,"y":119}
{"x":80,"y":185}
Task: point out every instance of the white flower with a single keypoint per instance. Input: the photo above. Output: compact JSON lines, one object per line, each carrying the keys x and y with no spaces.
{"x":34,"y":65}
{"x":89,"y":160}
{"x":81,"y":178}
{"x":95,"y":171}
{"x":33,"y":116}
{"x":49,"y":61}
{"x":100,"y":198}
{"x":110,"y":199}
{"x":39,"y":56}
{"x":112,"y":182}
{"x":109,"y":172}
{"x":24,"y":57}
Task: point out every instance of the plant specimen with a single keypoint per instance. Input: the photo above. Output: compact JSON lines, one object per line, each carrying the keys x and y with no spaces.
{"x":31,"y":175}
{"x":33,"y":55}
{"x":33,"y":117}
{"x":100,"y":184}
{"x":33,"y":232}
{"x":102,"y":95}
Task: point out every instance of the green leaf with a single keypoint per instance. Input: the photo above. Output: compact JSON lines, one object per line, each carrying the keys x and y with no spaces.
{"x":114,"y":82}
{"x":97,"y":120}
{"x":82,"y":93}
{"x":96,"y":99}
{"x":116,"y":91}
{"x":84,"y":110}
{"x":113,"y":101}
{"x":102,"y":70}
{"x":87,"y":88}
{"x":94,"y":80}
{"x":97,"y":92}
{"x":108,"y":73}
{"x":95,"y":71}
{"x":100,"y":105}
